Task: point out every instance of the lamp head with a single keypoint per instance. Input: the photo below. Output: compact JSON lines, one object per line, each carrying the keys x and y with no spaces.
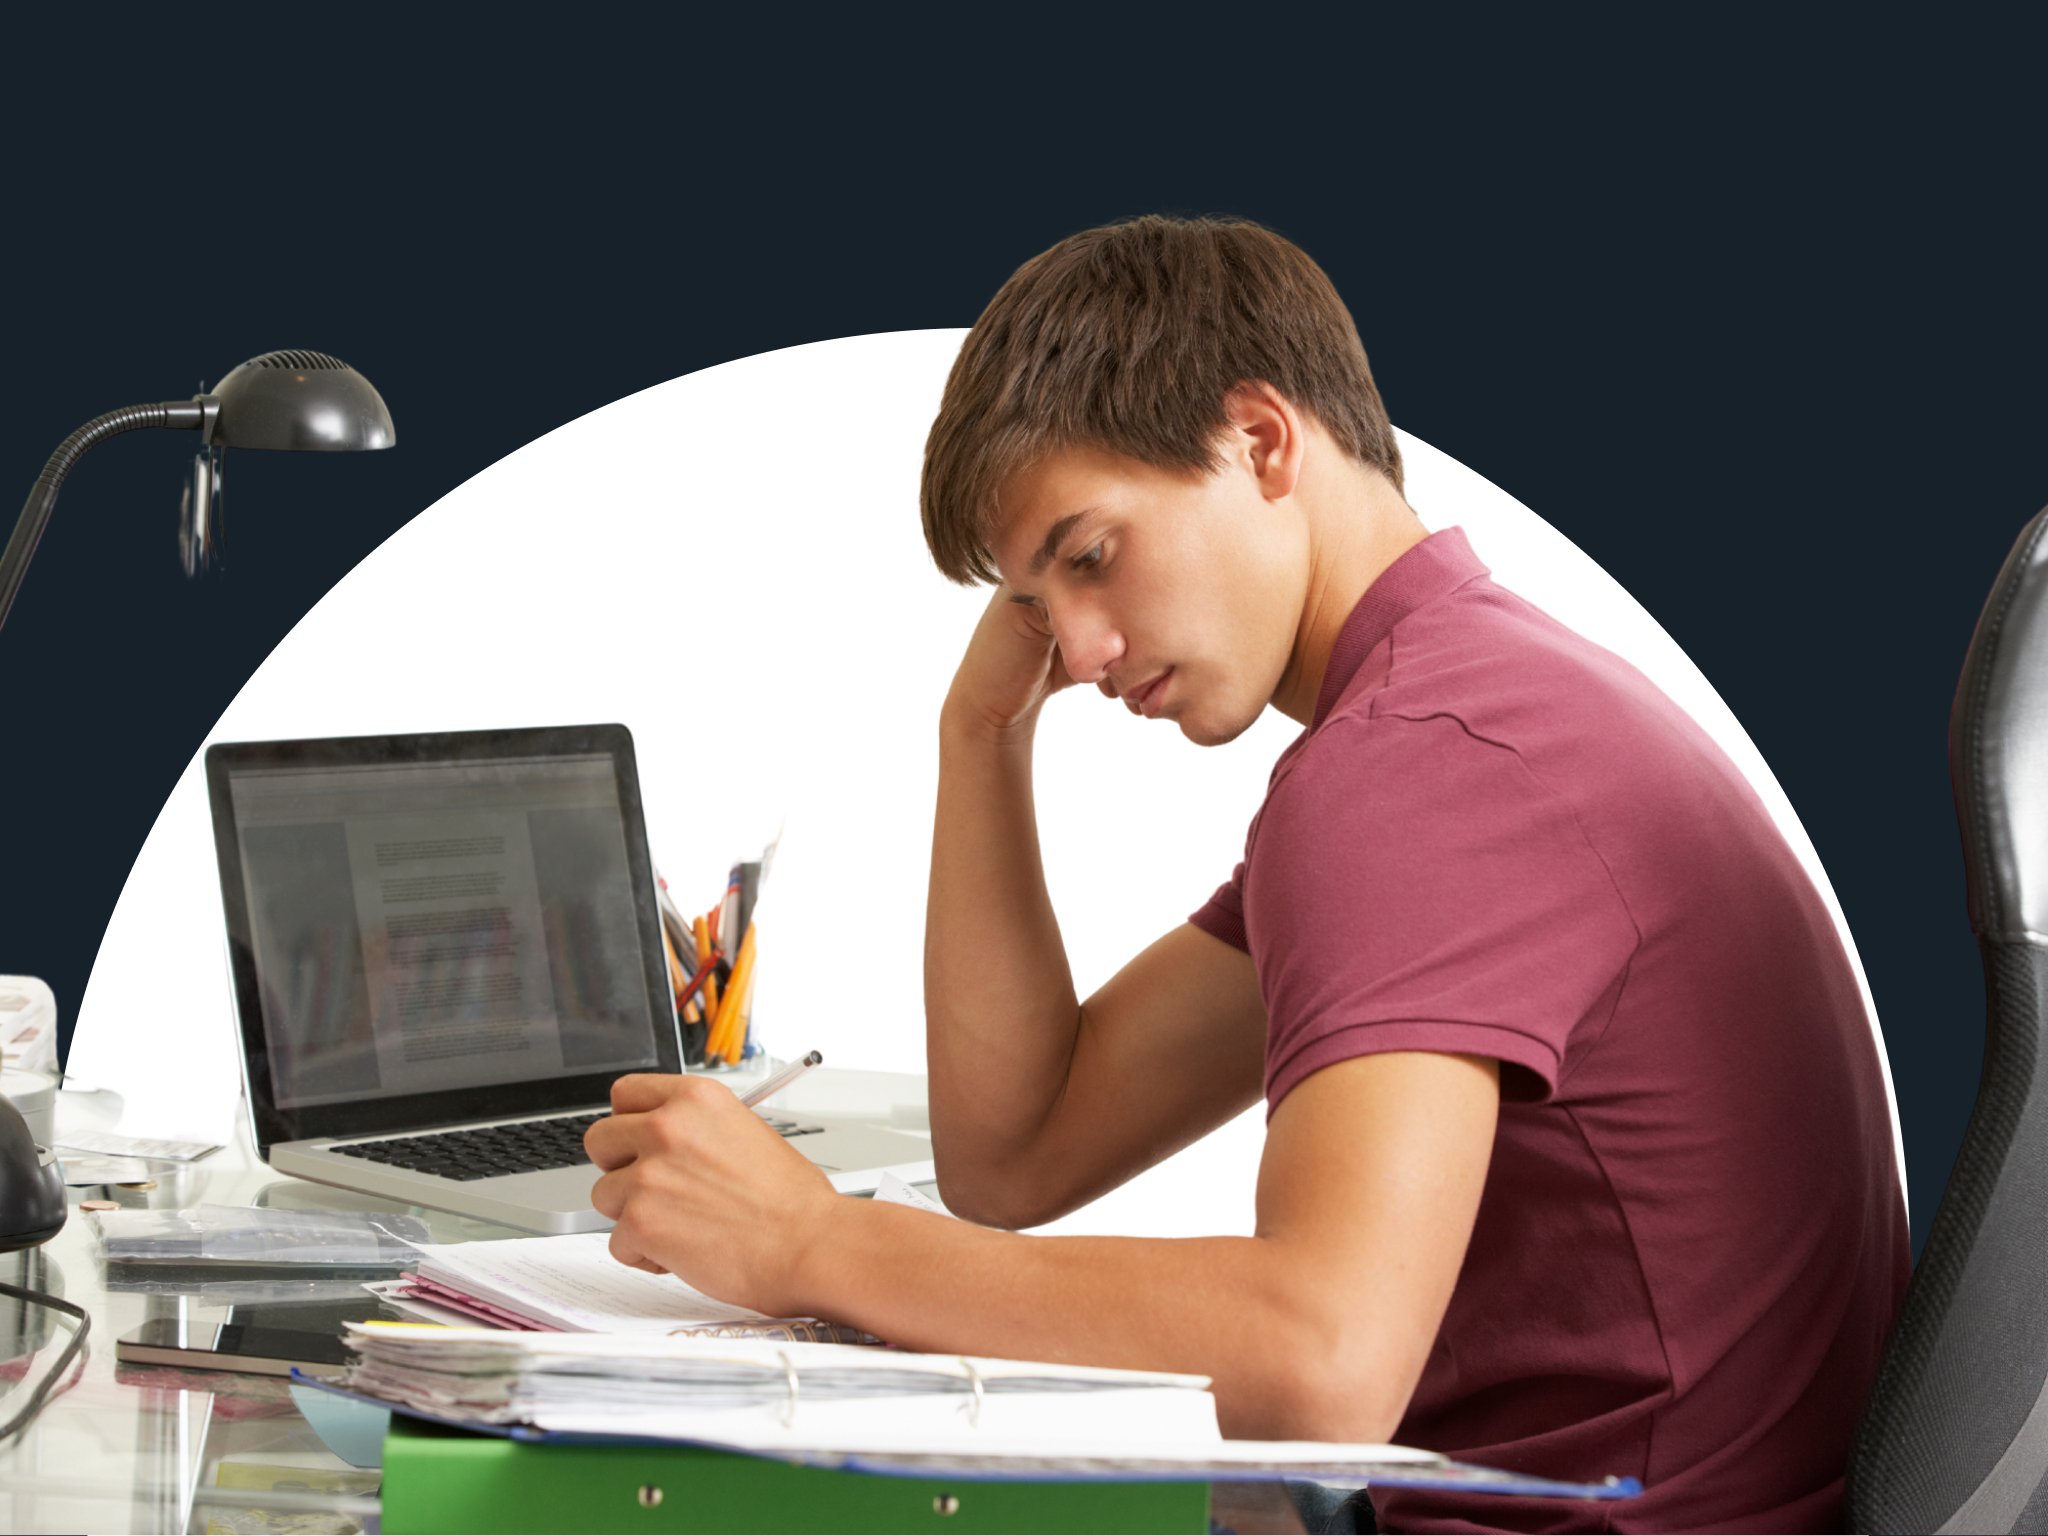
{"x":291,"y":399}
{"x":298,"y":400}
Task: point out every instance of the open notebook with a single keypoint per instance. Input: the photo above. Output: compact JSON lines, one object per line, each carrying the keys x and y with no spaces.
{"x":572,"y":1284}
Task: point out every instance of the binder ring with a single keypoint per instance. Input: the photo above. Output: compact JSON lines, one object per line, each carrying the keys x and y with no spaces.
{"x":789,"y":1380}
{"x":980,"y":1394}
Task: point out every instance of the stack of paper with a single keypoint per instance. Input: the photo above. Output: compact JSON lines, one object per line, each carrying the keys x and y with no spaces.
{"x":876,"y":1410}
{"x":573,"y":1284}
{"x":871,"y":1409}
{"x":761,"y":1393}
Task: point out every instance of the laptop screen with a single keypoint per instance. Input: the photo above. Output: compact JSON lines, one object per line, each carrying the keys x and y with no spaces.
{"x":438,"y":927}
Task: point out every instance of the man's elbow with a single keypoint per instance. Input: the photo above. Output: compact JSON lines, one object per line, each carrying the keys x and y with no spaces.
{"x":1010,"y":1194}
{"x":1314,"y":1389}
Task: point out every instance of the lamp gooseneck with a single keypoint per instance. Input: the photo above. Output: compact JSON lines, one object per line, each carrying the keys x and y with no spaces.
{"x":35,"y":513}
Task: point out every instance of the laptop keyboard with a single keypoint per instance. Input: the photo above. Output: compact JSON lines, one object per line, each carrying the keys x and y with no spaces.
{"x":525,"y":1146}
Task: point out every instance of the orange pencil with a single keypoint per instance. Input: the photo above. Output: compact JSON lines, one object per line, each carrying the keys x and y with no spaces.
{"x":714,"y":1043}
{"x":730,"y":1038}
{"x":742,"y":1025}
{"x":701,"y":930}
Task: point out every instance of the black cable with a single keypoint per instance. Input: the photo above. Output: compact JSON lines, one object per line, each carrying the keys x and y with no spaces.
{"x":56,"y":1373}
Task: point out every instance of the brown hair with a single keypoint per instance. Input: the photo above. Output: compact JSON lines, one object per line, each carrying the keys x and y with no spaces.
{"x":1127,"y":339}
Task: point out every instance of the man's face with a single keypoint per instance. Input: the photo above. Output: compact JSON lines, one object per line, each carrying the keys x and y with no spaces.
{"x":1179,"y":595}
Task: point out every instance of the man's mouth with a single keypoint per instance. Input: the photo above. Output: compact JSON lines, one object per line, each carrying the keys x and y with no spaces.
{"x":1146,"y":700}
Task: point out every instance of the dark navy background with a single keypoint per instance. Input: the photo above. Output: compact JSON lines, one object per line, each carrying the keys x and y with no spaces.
{"x":1749,"y":309}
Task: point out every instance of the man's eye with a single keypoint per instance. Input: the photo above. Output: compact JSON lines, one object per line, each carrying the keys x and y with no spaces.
{"x":1088,"y":559}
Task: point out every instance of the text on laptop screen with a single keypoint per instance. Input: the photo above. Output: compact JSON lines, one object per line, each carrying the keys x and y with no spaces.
{"x":426,"y":926}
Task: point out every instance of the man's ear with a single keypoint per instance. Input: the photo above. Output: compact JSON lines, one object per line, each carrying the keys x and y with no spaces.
{"x":1266,"y":435}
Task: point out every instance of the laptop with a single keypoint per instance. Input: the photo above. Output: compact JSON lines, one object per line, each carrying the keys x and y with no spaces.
{"x":444,"y":949}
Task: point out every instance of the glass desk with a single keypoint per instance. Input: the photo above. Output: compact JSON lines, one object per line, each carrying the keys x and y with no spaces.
{"x":160,"y":1448}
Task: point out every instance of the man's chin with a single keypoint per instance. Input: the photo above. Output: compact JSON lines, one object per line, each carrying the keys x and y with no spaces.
{"x":1205,"y":731}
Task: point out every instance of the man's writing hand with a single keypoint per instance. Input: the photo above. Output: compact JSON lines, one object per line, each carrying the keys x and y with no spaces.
{"x":699,"y":1186}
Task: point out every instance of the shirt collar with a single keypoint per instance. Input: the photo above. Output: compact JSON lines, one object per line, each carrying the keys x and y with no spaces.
{"x":1439,"y":565}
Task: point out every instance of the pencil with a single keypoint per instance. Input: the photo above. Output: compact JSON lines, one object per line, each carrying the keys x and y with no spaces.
{"x":714,"y":1042}
{"x":736,"y":1033}
{"x":731,"y":1032}
{"x":701,"y":929}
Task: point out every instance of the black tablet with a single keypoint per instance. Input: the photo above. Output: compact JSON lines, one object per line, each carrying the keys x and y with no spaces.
{"x":262,"y":1340}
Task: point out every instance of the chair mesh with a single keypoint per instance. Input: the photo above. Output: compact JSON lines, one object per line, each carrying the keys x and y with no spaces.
{"x":1970,"y":1354}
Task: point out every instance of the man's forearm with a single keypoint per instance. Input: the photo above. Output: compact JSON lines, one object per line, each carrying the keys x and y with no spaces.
{"x":1000,"y":1008}
{"x":1318,"y":1326}
{"x":1287,"y":1364}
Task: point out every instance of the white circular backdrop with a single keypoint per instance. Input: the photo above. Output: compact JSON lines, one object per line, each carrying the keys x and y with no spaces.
{"x":731,"y":564}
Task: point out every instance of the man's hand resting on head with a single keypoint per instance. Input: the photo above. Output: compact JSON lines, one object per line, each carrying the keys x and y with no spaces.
{"x":699,"y":1186}
{"x":1012,"y":666}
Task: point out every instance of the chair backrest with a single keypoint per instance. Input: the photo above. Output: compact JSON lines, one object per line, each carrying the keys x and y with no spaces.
{"x":1956,"y":1434}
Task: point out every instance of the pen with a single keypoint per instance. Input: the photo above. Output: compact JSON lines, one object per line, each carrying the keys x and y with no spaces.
{"x":689,"y":988}
{"x":781,"y":1080}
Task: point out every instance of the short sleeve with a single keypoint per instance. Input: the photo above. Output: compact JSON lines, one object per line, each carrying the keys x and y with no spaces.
{"x":1222,"y":915}
{"x":1413,"y":887}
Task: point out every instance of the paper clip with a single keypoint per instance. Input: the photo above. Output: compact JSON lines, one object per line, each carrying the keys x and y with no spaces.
{"x":789,"y":1380}
{"x":980,"y":1395}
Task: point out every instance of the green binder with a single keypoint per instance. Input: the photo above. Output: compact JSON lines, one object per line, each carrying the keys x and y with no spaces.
{"x":438,"y":1479}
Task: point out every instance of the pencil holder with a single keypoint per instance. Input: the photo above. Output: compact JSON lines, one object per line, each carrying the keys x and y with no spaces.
{"x":694,"y":1038}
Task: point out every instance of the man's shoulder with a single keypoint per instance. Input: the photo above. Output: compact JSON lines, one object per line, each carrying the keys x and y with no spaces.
{"x":1506,"y":670}
{"x":1482,"y":711}
{"x":1368,"y":784}
{"x":1480,"y":658}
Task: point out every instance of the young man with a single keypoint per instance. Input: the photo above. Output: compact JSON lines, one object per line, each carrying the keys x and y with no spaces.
{"x":1578,"y":1156}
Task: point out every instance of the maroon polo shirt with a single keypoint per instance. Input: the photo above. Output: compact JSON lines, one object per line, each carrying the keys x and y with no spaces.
{"x":1498,"y":839}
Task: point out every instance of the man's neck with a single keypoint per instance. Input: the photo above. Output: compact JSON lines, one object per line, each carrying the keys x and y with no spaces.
{"x":1359,"y":524}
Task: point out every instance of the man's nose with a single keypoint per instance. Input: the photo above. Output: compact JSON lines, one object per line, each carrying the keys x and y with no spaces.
{"x":1089,"y":645}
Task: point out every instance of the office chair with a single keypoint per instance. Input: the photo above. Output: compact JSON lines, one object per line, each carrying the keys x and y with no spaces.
{"x":1955,"y":1437}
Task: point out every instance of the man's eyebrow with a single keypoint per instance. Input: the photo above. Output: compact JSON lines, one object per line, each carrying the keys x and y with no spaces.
{"x":1054,"y":536}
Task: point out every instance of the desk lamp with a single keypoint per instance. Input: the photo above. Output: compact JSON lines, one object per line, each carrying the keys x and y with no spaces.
{"x":302,"y":400}
{"x":279,"y":400}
